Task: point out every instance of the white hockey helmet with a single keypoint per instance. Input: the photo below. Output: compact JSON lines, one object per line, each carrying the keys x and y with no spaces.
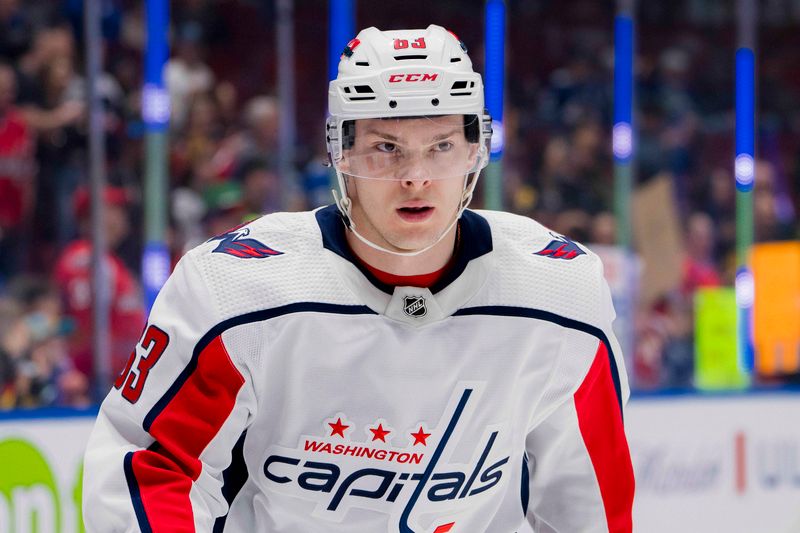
{"x":405,"y":73}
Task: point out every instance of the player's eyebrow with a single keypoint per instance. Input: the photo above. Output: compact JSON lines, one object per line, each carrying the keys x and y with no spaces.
{"x":443,"y":136}
{"x":382,"y":134}
{"x":390,"y":137}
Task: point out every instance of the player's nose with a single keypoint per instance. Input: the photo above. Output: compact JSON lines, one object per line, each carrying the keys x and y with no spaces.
{"x":416,"y":175}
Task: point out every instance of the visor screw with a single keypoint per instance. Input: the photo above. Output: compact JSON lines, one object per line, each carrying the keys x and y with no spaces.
{"x":435,"y":102}
{"x":392,"y":103}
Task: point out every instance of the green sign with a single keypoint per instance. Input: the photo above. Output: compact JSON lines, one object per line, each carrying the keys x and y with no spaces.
{"x":716,"y":355}
{"x":28,"y":489}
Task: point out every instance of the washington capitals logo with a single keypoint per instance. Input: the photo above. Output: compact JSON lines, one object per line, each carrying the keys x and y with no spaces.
{"x":406,"y":474}
{"x":561,"y":248}
{"x":234,"y":243}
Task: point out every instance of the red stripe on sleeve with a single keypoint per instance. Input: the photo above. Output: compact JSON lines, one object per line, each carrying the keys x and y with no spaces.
{"x":600,"y":422}
{"x":182,"y":431}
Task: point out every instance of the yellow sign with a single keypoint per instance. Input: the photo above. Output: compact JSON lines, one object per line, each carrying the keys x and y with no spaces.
{"x":716,"y":359}
{"x":776,"y":310}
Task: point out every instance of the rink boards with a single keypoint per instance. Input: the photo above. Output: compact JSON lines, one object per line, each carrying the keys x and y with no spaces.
{"x":703,"y":463}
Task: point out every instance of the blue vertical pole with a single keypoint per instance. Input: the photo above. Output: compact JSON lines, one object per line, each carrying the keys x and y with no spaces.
{"x":623,"y":149}
{"x":494,"y":79}
{"x":622,"y":133}
{"x":155,"y":114}
{"x":744,"y":170}
{"x":341,"y":28}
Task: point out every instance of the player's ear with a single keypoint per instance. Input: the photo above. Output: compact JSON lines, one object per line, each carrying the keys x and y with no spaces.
{"x":474,"y":151}
{"x":344,"y":164}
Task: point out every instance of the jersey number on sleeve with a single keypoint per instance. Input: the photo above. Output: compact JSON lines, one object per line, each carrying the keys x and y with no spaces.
{"x":154,"y":342}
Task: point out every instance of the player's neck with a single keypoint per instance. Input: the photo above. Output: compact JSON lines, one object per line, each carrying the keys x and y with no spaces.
{"x":430,"y":261}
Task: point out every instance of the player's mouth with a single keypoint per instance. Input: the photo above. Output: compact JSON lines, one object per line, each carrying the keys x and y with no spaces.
{"x":415,"y":213}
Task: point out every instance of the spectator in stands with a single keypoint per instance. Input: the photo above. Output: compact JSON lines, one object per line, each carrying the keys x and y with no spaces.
{"x":316,"y":179}
{"x":55,"y":109}
{"x":186,"y":74}
{"x":14,"y":340}
{"x":224,"y":208}
{"x":17,"y":175}
{"x":574,"y":223}
{"x":699,"y":267}
{"x":261,"y":192}
{"x":592,"y":185}
{"x":188,"y":208}
{"x":604,"y":229}
{"x":769,"y":225}
{"x":45,"y":357}
{"x":200,"y":139}
{"x":678,"y":358}
{"x":50,"y":45}
{"x":227,"y":98}
{"x":681,"y":123}
{"x":721,"y":207}
{"x":15,"y":30}
{"x":555,"y":168}
{"x":73,"y":274}
{"x":260,"y":137}
{"x":39,"y":371}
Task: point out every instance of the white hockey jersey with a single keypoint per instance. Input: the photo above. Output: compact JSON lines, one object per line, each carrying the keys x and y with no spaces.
{"x":279,"y":387}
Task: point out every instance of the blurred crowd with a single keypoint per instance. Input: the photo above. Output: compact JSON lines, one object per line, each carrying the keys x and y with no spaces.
{"x":223,"y":146}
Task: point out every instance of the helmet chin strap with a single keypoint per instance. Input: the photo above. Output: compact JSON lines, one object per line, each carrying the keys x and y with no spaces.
{"x":345,"y":206}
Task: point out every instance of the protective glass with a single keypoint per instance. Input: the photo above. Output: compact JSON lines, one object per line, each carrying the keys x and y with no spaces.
{"x":414,"y":148}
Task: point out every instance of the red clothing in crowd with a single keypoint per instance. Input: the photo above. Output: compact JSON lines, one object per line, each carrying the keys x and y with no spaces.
{"x":16,"y":168}
{"x":73,"y":274}
{"x":698,"y":274}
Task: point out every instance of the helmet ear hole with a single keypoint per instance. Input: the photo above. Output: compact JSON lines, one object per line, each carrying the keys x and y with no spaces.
{"x":472,"y":129}
{"x":348,"y":134}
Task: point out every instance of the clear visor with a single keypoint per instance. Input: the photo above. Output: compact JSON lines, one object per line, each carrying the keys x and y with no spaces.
{"x":414,"y":148}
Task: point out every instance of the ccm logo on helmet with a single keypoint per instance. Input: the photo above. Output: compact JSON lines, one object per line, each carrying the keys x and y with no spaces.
{"x":397,"y":78}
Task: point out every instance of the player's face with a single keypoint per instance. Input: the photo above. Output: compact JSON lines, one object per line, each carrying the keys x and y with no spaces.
{"x":406,"y":178}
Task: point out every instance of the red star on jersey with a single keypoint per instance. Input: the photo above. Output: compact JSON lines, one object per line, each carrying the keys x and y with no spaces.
{"x":420,"y":437}
{"x":379,"y":433}
{"x":337,"y":428}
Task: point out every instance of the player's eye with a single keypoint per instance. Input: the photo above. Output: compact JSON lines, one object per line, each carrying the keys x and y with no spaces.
{"x":387,"y":148}
{"x":444,"y":146}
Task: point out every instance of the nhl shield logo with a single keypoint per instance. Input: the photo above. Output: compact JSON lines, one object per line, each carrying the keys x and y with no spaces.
{"x":414,"y":306}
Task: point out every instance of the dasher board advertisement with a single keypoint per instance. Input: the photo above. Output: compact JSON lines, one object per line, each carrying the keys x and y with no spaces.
{"x":724,"y":462}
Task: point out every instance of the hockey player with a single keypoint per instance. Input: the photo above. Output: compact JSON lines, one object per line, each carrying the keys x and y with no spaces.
{"x":391,"y":363}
